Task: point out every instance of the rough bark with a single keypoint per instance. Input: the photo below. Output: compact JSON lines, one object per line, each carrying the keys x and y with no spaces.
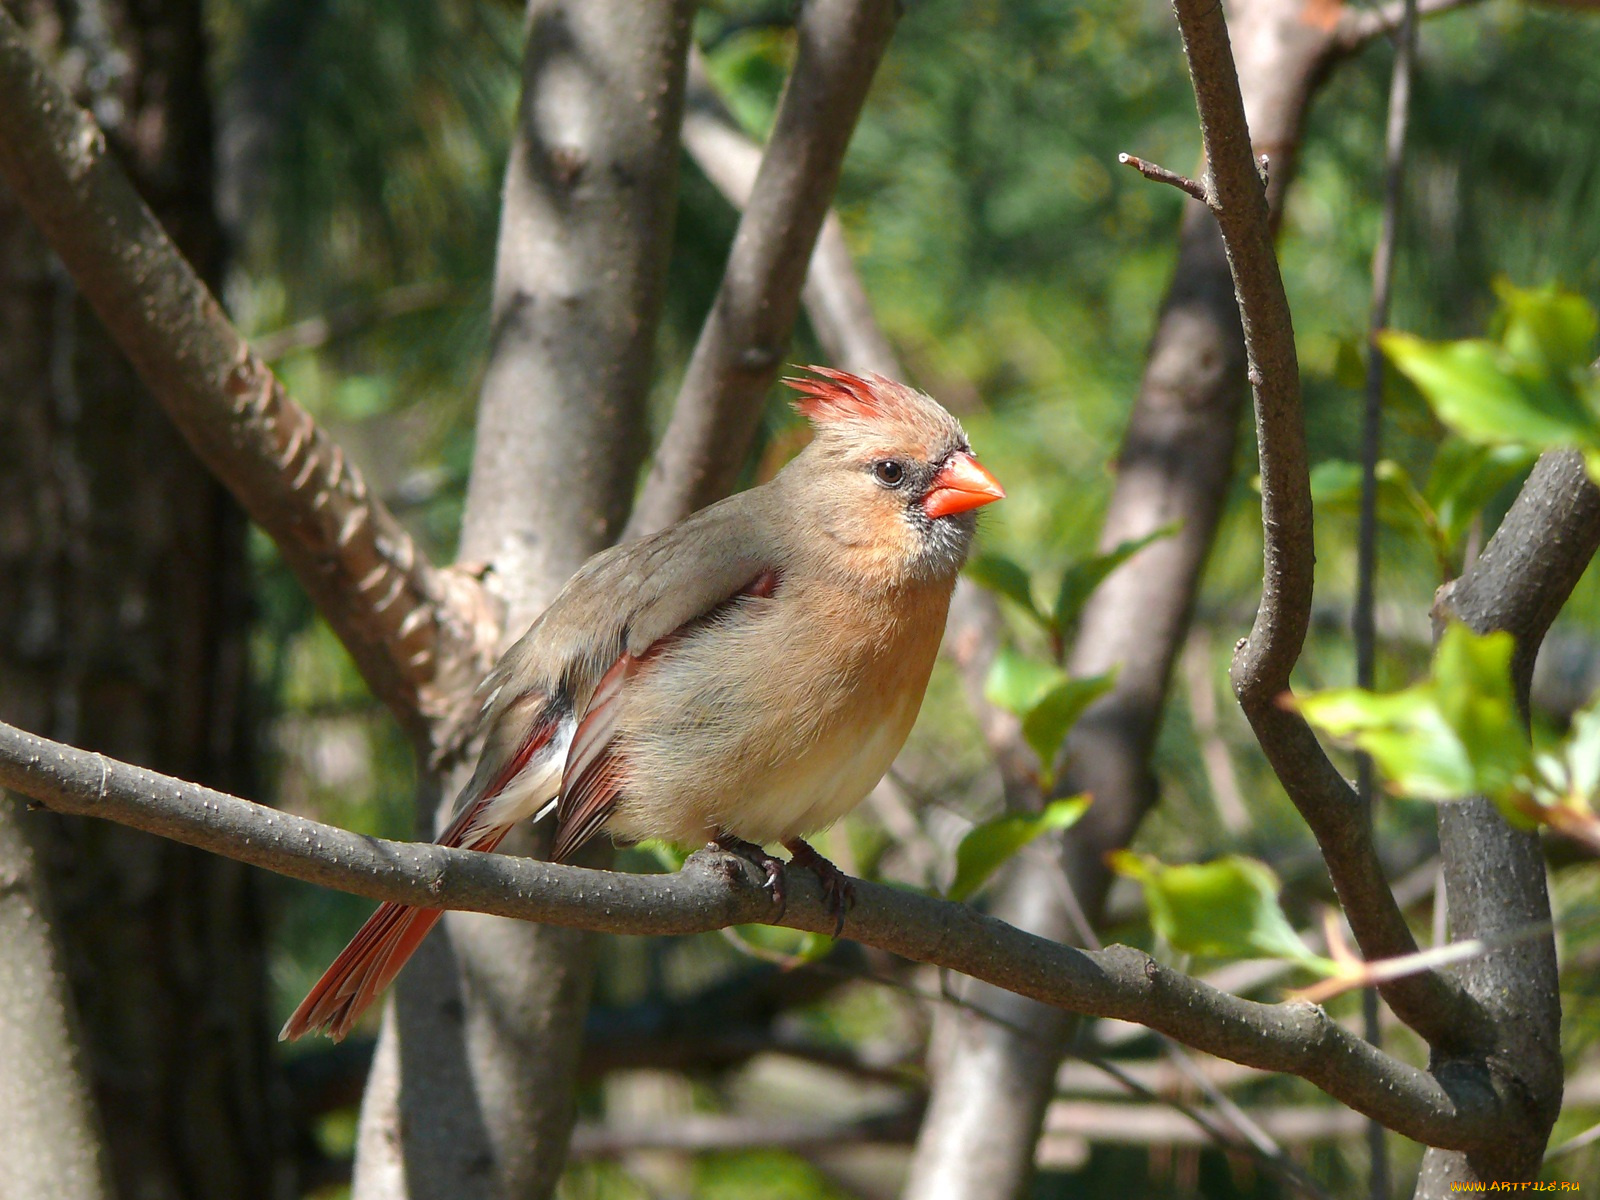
{"x":123,"y":609}
{"x":473,"y":1084}
{"x":1495,"y":875}
{"x":54,"y":1145}
{"x":415,"y":633}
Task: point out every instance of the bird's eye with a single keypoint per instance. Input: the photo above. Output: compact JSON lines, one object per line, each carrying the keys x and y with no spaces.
{"x":889,"y":472}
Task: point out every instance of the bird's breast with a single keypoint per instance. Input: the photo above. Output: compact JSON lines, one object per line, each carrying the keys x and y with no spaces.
{"x":777,"y":718}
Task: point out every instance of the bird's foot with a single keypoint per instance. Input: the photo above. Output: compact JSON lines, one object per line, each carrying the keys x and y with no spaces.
{"x":838,"y":889}
{"x":753,"y":853}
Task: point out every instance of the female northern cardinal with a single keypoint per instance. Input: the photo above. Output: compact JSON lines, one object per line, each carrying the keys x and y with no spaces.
{"x":744,"y":677}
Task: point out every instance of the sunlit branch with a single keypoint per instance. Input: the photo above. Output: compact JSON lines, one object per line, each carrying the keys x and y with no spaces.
{"x":415,"y":632}
{"x":1456,"y":1109}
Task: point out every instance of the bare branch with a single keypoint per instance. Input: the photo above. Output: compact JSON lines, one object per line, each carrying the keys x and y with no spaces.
{"x":1145,"y":1125}
{"x":836,"y":302}
{"x":1357,"y":26}
{"x":414,"y":632}
{"x":1429,"y":1003}
{"x":742,"y":343}
{"x":1102,"y":1124}
{"x":1494,"y":874}
{"x":1364,"y":625}
{"x":1161,"y":175}
{"x":701,"y":1133}
{"x":316,"y":332}
{"x":1457,"y":1108}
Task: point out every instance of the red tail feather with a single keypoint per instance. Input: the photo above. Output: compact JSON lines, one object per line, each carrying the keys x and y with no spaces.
{"x":392,"y":934}
{"x":367,"y":965}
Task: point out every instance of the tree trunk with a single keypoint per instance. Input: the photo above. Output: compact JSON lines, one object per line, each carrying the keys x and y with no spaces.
{"x":123,"y":610}
{"x":472,"y":1093}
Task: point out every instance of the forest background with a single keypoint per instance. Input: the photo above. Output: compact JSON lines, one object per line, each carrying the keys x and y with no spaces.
{"x":350,"y":224}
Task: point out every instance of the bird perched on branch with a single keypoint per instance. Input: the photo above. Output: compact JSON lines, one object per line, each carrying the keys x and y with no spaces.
{"x":744,"y":677}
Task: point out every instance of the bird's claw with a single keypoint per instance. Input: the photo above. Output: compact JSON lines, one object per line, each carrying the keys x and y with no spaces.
{"x":838,"y":889}
{"x":772,"y":866}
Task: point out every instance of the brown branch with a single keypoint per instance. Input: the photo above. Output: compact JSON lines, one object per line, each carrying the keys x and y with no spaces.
{"x":55,"y":1146}
{"x":1159,"y":174}
{"x":702,"y":1133}
{"x":1146,"y":1124}
{"x":314,"y":333}
{"x":1457,"y":1107}
{"x":836,"y":302}
{"x":1494,"y":874}
{"x":1102,"y":1124}
{"x":1357,"y":26}
{"x":414,"y":632}
{"x":1430,"y":1003}
{"x":742,"y":343}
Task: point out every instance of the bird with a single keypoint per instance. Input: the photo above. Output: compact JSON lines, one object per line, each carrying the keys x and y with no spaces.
{"x":742,"y":678}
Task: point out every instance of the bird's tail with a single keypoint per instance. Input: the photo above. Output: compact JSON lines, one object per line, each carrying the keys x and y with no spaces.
{"x":372,"y":959}
{"x":392,"y":934}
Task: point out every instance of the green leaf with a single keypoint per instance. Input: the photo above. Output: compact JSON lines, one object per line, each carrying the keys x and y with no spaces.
{"x":1583,"y":751}
{"x":1472,"y":682}
{"x":1457,"y":734}
{"x":1547,"y":326}
{"x":1047,"y":721}
{"x":998,"y":574}
{"x":1466,"y":476}
{"x":1016,"y":682}
{"x":1409,"y":739}
{"x":1226,"y":908}
{"x":1486,"y":396}
{"x":1336,"y":487}
{"x":772,"y":943}
{"x":988,"y":845}
{"x":1350,"y":364}
{"x":1080,"y":579}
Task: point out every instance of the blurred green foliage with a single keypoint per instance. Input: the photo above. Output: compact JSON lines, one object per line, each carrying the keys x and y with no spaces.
{"x":1017,"y":270}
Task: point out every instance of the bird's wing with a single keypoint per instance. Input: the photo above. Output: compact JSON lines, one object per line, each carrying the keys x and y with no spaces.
{"x":650,"y":591}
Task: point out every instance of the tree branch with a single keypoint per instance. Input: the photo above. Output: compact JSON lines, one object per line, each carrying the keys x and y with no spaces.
{"x":417,"y":634}
{"x":1494,"y":874}
{"x":1358,"y":26}
{"x":1364,"y":623}
{"x":1430,"y":1003}
{"x":836,"y":303}
{"x":747,"y":331}
{"x":1457,"y":1107}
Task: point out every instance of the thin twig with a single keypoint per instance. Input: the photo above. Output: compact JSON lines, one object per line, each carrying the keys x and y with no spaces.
{"x":1365,"y":627}
{"x":1161,"y":175}
{"x":1588,"y":1137}
{"x":1358,"y":26}
{"x":314,"y":333}
{"x":1246,"y":1137}
{"x":836,"y":302}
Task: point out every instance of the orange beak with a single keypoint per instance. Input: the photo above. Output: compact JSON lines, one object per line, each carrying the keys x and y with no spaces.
{"x":963,"y":484}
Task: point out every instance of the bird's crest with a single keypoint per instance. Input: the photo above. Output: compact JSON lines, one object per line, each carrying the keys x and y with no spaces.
{"x":840,"y":396}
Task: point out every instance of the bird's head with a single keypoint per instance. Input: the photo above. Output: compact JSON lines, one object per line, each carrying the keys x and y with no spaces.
{"x":890,"y":474}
